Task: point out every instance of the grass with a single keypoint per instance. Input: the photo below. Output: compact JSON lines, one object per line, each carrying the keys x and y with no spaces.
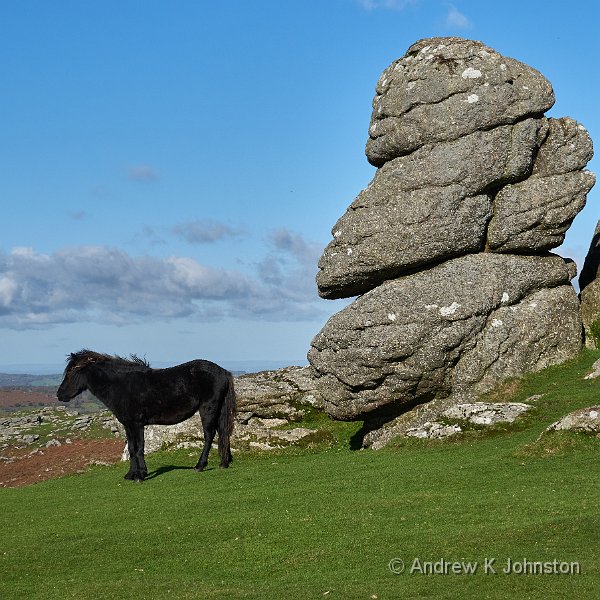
{"x":325,"y":521}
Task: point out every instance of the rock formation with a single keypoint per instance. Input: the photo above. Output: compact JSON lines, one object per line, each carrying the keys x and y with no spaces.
{"x":589,"y":286}
{"x":448,"y":245}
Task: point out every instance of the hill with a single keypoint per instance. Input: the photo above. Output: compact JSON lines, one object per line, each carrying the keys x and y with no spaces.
{"x":507,"y":512}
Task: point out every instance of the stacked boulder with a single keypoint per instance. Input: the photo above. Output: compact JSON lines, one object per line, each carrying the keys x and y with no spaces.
{"x":448,"y":246}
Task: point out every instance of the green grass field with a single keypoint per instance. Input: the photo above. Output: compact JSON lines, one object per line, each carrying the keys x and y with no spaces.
{"x":325,"y":522}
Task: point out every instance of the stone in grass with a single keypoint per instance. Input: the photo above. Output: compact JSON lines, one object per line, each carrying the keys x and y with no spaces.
{"x":595,"y":372}
{"x":485,"y":413}
{"x":433,"y":430}
{"x":584,"y":420}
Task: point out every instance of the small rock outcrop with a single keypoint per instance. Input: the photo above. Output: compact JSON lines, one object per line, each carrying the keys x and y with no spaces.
{"x":448,"y":246}
{"x":589,"y":286}
{"x":584,"y":420}
{"x":450,"y":422}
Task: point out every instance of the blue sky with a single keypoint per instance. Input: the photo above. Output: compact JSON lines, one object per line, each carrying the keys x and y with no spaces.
{"x":170,"y":171}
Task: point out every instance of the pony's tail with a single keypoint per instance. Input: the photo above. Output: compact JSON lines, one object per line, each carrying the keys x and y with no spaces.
{"x":226,"y":421}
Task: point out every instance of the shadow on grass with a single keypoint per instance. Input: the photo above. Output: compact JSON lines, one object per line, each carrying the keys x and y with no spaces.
{"x":168,"y":468}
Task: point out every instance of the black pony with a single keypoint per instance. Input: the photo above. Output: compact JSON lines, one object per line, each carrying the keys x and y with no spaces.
{"x":138,"y":395}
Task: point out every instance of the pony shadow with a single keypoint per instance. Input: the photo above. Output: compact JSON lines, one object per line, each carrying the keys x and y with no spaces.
{"x":168,"y":468}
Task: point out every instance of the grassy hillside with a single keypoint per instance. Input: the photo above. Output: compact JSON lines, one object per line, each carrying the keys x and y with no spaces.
{"x":326,"y":522}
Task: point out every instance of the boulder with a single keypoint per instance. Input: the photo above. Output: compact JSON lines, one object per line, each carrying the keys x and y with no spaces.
{"x":448,"y":246}
{"x":445,"y":88}
{"x":456,"y":329}
{"x":584,"y":420}
{"x":429,"y":206}
{"x":487,"y":413}
{"x":277,"y":394}
{"x":483,"y":414}
{"x":533,"y":215}
{"x":595,"y":372}
{"x":589,"y":285}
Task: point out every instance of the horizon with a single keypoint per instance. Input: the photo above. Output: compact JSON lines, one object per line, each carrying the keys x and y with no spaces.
{"x":246,"y":366}
{"x":172,"y":174}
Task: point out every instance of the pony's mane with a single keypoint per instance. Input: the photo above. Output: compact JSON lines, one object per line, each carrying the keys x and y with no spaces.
{"x":86,"y":356}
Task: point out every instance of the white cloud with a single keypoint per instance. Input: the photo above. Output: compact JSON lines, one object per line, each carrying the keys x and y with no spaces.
{"x":455,"y":19}
{"x":107,"y":285}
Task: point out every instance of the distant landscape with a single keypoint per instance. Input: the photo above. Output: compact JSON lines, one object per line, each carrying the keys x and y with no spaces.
{"x":24,"y":391}
{"x":20,"y":391}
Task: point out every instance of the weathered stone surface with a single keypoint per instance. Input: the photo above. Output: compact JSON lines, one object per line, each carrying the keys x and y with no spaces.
{"x":429,"y":206}
{"x":534,"y":215}
{"x":415,"y":425}
{"x":584,"y":420}
{"x":432,"y":431}
{"x":445,"y":88}
{"x":487,"y":413}
{"x":595,"y":372}
{"x":589,"y":284}
{"x":541,"y":330}
{"x":276,"y":394}
{"x":457,"y":328}
{"x":449,"y":242}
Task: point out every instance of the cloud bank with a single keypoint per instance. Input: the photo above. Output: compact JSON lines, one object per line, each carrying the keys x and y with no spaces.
{"x":103,"y":284}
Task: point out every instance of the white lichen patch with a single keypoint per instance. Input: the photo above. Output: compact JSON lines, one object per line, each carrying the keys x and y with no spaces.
{"x":337,"y":233}
{"x":472,"y":98}
{"x":411,"y":85}
{"x":391,"y":316}
{"x":505,"y":297}
{"x":471,"y":73}
{"x":497,"y":323}
{"x":503,"y":67}
{"x":431,"y":306}
{"x":533,"y":305}
{"x":446,"y":311}
{"x":349,"y":251}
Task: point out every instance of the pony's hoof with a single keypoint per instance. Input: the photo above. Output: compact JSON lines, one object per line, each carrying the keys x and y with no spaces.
{"x":198,"y":469}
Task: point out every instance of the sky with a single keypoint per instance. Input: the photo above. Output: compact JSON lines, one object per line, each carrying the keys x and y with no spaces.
{"x":170,"y":171}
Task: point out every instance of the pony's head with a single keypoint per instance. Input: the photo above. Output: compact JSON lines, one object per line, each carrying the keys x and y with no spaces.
{"x":75,"y":377}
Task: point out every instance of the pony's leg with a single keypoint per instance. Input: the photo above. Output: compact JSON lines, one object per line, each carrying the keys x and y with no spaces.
{"x":209,"y":426}
{"x":135,"y":444}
